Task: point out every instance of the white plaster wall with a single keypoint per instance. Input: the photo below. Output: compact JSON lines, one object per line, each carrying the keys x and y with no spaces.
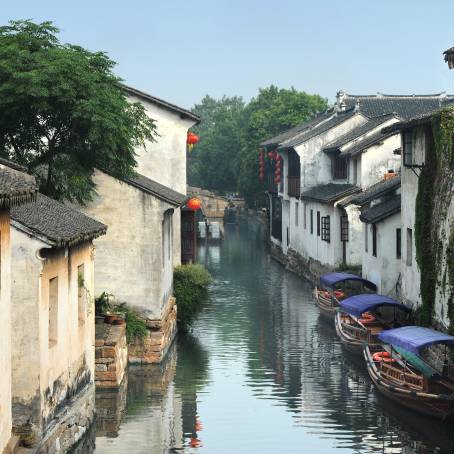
{"x":378,"y":159}
{"x":409,"y":189}
{"x":315,"y":164}
{"x":165,"y":160}
{"x":129,"y":256}
{"x":384,"y":269}
{"x":44,"y":373}
{"x":354,"y":243}
{"x":5,"y":339}
{"x":310,"y":245}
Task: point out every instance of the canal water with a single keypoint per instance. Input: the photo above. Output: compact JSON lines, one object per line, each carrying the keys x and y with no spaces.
{"x":260,"y":373}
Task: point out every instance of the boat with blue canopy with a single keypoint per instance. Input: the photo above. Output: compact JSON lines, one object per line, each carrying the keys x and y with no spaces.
{"x":361,"y":318}
{"x":415,"y":367}
{"x":335,"y":287}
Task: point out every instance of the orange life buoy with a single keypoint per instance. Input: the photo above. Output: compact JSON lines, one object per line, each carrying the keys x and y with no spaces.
{"x":367,"y":317}
{"x":338,"y":294}
{"x":383,"y":356}
{"x":327,"y":294}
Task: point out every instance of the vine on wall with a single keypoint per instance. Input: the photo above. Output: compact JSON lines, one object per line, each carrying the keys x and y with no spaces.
{"x":434,"y":236}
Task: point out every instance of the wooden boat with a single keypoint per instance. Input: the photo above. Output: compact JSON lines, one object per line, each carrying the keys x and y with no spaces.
{"x":414,"y":367}
{"x":360,"y":318}
{"x":334,"y":287}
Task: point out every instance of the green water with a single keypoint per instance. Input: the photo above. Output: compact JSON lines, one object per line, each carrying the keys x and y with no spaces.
{"x":260,"y":373}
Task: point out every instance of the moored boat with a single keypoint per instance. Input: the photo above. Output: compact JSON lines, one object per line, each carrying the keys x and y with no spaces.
{"x":414,"y":367}
{"x":334,"y":287}
{"x":361,"y":318}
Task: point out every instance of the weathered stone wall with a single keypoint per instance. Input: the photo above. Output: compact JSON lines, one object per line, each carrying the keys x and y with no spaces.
{"x":111,"y":355}
{"x":49,"y":375}
{"x":5,"y":343}
{"x":161,"y":332}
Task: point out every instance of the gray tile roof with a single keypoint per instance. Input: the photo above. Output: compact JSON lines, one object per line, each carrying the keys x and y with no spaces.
{"x":184,"y":113}
{"x":328,"y":193}
{"x":373,"y":192}
{"x":15,"y":186}
{"x":382,"y":210}
{"x":403,"y":106}
{"x":363,"y":144}
{"x":357,"y":132}
{"x":156,"y":189}
{"x":292,"y":132}
{"x":318,"y":129}
{"x":60,"y":224}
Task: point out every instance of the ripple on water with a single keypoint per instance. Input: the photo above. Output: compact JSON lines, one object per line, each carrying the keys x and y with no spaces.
{"x":261,"y":373}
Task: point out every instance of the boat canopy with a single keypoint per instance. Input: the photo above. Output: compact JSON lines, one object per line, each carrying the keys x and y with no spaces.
{"x":414,"y":338}
{"x":331,"y":279}
{"x":358,"y":304}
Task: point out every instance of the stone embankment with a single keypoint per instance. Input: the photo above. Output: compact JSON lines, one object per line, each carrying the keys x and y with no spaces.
{"x":111,"y":355}
{"x":161,"y":333}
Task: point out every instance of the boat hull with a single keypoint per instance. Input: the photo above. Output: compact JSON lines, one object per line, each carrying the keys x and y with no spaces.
{"x":327,"y":307}
{"x":354,"y":346}
{"x":434,"y":405}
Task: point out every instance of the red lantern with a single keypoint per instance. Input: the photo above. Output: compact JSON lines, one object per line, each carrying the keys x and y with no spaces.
{"x":192,"y":138}
{"x":277,"y":171}
{"x":270,"y":154}
{"x":279,"y":158}
{"x":194,"y":204}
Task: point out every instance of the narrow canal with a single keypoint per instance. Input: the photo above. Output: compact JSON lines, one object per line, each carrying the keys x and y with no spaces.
{"x":261,"y":373}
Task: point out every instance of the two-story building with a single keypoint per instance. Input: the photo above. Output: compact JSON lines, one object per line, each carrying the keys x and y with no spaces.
{"x":135,"y":260}
{"x":16,"y":187}
{"x":326,"y":160}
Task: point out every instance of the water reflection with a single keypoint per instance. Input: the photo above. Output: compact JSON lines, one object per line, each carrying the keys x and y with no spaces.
{"x":261,"y":373}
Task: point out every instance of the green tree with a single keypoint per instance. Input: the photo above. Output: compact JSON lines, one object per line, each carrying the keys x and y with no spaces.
{"x":273,"y":111}
{"x":63,"y":112}
{"x":226,"y":158}
{"x":213,"y":163}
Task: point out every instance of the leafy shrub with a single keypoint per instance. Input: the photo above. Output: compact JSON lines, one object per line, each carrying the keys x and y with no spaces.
{"x":136,"y":328}
{"x":103,"y":303}
{"x":191,"y":292}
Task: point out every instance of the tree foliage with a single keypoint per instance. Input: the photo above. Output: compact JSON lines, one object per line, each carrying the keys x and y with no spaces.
{"x":231,"y":131}
{"x":63,"y":112}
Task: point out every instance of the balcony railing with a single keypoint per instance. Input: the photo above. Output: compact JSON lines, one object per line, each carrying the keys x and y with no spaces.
{"x":294,"y":186}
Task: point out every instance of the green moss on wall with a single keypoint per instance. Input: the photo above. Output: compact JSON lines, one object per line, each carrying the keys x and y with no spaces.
{"x":434,"y":251}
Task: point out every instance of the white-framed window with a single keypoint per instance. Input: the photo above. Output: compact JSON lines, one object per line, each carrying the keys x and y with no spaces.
{"x":407,"y":145}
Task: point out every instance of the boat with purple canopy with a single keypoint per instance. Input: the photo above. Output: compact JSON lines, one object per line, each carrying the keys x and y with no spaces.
{"x":361,"y":318}
{"x":414,"y":366}
{"x":336,"y":286}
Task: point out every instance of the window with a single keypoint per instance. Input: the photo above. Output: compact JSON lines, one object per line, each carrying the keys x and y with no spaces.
{"x":288,"y":236}
{"x":304,"y":215}
{"x":167,"y":238}
{"x":408,"y":148}
{"x":326,"y":232}
{"x":366,"y":237}
{"x":53,"y":311}
{"x":312,"y":222}
{"x":355,"y":171}
{"x":339,"y":168}
{"x":81,"y":294}
{"x":398,"y":244}
{"x":344,"y":228}
{"x":374,"y":240}
{"x":318,"y":223}
{"x":296,"y":213}
{"x":409,"y":247}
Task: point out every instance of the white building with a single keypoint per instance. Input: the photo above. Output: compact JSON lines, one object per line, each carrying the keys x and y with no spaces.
{"x":15,"y":187}
{"x":54,"y":334}
{"x":325,"y":160}
{"x":382,"y":238}
{"x":135,"y":260}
